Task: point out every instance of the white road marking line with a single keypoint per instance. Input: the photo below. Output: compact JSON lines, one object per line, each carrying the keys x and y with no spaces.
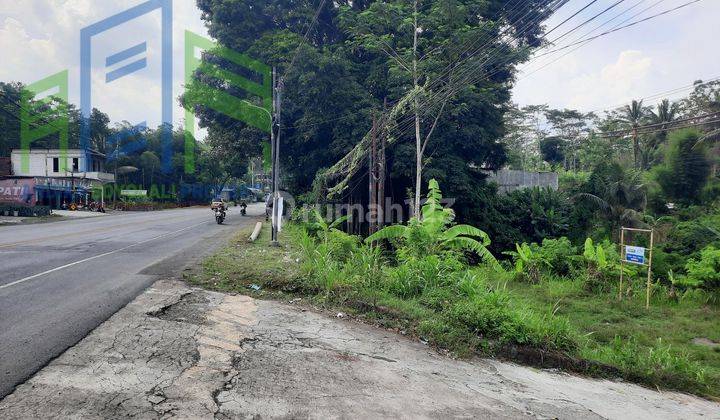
{"x":98,"y":256}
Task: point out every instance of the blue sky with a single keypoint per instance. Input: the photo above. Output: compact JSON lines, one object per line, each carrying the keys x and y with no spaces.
{"x":655,"y":56}
{"x":41,"y":37}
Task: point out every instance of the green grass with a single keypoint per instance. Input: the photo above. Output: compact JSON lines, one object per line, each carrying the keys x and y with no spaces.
{"x":475,"y":310}
{"x":649,"y":346}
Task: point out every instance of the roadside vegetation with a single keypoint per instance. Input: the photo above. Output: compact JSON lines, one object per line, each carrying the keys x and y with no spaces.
{"x":552,"y":304}
{"x":532,"y":274}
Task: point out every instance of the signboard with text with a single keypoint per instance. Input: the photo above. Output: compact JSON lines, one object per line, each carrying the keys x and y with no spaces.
{"x":635,"y":254}
{"x":17,"y":191}
{"x":134,"y":193}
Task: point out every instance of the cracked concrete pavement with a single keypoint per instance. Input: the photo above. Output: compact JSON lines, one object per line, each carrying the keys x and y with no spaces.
{"x":177,"y":351}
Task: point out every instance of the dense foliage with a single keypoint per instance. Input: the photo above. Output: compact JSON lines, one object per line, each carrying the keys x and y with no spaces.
{"x":355,"y":61}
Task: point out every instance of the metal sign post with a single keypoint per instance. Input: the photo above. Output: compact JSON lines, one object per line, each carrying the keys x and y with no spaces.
{"x":636,"y":255}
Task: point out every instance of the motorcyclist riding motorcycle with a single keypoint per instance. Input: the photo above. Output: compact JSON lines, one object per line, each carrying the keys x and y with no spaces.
{"x":243,"y":207}
{"x":218,"y":206}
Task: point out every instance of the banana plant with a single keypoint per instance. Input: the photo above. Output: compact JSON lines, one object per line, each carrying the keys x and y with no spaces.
{"x":528,"y":263}
{"x":595,"y":254}
{"x":436,"y":230}
{"x":322,"y":226}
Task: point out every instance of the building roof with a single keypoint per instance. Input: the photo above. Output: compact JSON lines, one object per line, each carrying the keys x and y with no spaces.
{"x":57,"y":151}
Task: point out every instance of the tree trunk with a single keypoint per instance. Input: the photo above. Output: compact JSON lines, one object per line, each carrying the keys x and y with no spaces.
{"x":636,"y":148}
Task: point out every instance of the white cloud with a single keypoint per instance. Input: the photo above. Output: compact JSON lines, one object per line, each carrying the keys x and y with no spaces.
{"x":617,"y":82}
{"x":42,"y":37}
{"x":22,"y":52}
{"x":656,"y":56}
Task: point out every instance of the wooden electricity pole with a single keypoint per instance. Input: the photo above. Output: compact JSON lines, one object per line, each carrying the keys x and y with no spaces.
{"x":372,"y":180}
{"x":381,"y":180}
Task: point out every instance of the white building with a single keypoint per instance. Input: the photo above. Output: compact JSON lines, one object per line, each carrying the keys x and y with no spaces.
{"x":58,"y":177}
{"x":53,"y":163}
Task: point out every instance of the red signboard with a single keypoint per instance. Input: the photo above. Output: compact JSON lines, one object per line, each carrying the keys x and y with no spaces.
{"x":17,"y":191}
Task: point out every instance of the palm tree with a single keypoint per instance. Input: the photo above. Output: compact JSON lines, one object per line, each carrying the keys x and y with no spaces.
{"x":619,"y":195}
{"x":666,"y":113}
{"x":632,"y":116}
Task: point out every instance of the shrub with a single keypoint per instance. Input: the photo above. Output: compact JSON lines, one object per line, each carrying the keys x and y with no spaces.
{"x":554,"y":256}
{"x":528,"y":262}
{"x":602,"y":265}
{"x":691,"y":236}
{"x":706,"y":271}
{"x":557,"y":252}
{"x":415,"y":275}
{"x":341,"y":245}
{"x":538,"y":213}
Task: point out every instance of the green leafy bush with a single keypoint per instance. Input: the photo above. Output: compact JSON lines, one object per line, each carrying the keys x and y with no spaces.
{"x":554,"y":256}
{"x":689,"y":237}
{"x":602,"y":265}
{"x":706,"y":271}
{"x":528,"y":262}
{"x":341,"y":245}
{"x":417,"y":274}
{"x":557,"y":252}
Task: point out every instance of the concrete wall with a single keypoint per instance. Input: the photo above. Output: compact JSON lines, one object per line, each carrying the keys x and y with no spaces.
{"x":509,"y":180}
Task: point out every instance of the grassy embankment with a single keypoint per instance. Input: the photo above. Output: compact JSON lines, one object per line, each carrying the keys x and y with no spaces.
{"x":475,"y":310}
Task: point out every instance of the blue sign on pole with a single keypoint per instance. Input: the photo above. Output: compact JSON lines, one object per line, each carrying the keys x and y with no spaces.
{"x":635,"y":254}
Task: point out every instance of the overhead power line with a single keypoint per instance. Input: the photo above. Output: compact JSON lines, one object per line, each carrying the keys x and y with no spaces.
{"x":658,"y":95}
{"x":304,"y":39}
{"x":603,"y":34}
{"x":592,"y":38}
{"x":612,"y":6}
{"x":664,"y":126}
{"x":572,"y":16}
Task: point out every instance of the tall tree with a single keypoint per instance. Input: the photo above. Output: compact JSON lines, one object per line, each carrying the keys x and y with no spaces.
{"x":686,"y":169}
{"x":523,"y":136}
{"x":665,"y":114}
{"x":633,"y":116}
{"x":618,"y":194}
{"x":571,"y":126}
{"x":423,"y":57}
{"x":10,"y":96}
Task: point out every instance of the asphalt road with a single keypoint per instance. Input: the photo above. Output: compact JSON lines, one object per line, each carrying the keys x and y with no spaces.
{"x":58,"y":281}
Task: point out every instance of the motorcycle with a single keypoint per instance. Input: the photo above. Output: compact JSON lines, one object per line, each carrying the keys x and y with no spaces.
{"x":219,"y":216}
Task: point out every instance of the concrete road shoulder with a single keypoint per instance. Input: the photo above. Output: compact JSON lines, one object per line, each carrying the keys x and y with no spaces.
{"x":179,"y":351}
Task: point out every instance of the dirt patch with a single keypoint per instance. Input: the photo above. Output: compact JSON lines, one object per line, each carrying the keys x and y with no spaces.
{"x":190,"y":309}
{"x":702,"y":341}
{"x":547,"y":359}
